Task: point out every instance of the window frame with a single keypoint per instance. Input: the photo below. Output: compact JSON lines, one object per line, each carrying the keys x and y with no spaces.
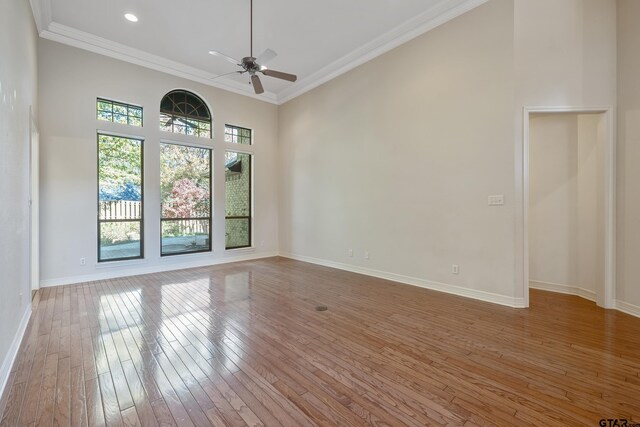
{"x":173,"y":116}
{"x":122,"y":104}
{"x":211,"y":199}
{"x":239,"y":144}
{"x":100,"y":133}
{"x":246,"y":149}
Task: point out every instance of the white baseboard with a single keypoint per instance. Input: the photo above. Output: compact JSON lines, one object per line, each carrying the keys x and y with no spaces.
{"x":146,"y":269}
{"x":627,"y":308}
{"x":10,"y":358}
{"x":414,"y":281}
{"x":563,"y":289}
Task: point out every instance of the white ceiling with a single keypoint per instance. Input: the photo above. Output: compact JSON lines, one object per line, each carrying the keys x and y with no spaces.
{"x":315,"y":39}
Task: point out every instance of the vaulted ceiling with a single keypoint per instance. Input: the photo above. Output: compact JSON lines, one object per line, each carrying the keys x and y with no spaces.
{"x":315,"y":39}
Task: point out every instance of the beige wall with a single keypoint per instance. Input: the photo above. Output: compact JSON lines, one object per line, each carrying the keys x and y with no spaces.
{"x":70,"y":81}
{"x":566,"y":208}
{"x":407,"y":147}
{"x":628,"y":176}
{"x":398,"y":157}
{"x":18,"y":86}
{"x":565,"y":56}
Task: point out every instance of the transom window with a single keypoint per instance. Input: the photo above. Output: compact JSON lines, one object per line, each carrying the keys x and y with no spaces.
{"x":185,"y":113}
{"x":237,"y":135}
{"x":118,"y":112}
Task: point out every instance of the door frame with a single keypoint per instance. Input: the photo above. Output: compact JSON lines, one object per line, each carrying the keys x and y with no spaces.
{"x":607,"y":300}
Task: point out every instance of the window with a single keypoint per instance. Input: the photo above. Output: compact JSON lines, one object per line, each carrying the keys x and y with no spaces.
{"x":118,"y":112}
{"x":237,"y":135}
{"x":185,"y":191}
{"x":237,"y":200}
{"x":120,"y":198}
{"x":185,"y":113}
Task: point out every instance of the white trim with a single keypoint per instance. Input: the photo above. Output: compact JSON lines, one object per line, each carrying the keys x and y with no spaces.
{"x":180,"y":264}
{"x":607,"y":299}
{"x":117,"y":134}
{"x":82,"y":40}
{"x":563,"y":289}
{"x":414,"y":281}
{"x":10,"y":358}
{"x":42,"y":14}
{"x":444,"y":11}
{"x":625,"y":307}
{"x":187,"y":144}
{"x":248,"y":249}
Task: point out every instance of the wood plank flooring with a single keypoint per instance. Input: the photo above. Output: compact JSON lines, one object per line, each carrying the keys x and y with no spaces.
{"x":242,"y":344}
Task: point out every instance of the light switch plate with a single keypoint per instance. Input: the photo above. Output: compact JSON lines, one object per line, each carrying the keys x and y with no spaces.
{"x":496,"y":200}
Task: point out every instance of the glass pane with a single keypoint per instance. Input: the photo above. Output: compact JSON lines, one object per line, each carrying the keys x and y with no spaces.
{"x":119,"y":177}
{"x":238,"y":199}
{"x":104,"y":115}
{"x":135,"y":121}
{"x":103,"y":105}
{"x":119,"y":118}
{"x":135,"y":111}
{"x":185,"y":181}
{"x":119,"y":240}
{"x":184,"y":236}
{"x":237,"y":233}
{"x":165,"y":122}
{"x":120,"y":109}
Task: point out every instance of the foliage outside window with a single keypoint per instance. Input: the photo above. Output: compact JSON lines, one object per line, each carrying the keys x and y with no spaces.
{"x":118,"y":112}
{"x":237,"y":135}
{"x":185,"y":189}
{"x":120,"y":198}
{"x":238,"y":188}
{"x":185,"y":113}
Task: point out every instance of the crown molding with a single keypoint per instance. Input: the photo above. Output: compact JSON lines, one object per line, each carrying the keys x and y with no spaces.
{"x":80,"y":39}
{"x":42,"y":14}
{"x":439,"y":14}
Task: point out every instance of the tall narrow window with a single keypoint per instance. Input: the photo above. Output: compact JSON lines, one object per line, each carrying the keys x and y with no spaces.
{"x":237,"y":200}
{"x":185,"y":113}
{"x":185,"y":187}
{"x":120,"y":198}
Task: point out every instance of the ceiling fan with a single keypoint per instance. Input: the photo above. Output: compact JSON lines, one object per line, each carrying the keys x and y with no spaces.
{"x":254,"y":65}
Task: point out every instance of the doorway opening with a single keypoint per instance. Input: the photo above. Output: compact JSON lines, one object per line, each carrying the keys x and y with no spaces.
{"x":568,"y":203}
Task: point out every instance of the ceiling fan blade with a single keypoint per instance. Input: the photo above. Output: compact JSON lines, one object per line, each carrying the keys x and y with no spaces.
{"x":257,"y":84}
{"x":265,"y":57}
{"x":225,"y":57}
{"x":226,"y":74}
{"x":280,"y":75}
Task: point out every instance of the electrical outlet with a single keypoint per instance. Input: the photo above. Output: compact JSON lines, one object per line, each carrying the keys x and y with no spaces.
{"x":366,"y":254}
{"x":83,"y":261}
{"x":455,"y":269}
{"x":351,"y":253}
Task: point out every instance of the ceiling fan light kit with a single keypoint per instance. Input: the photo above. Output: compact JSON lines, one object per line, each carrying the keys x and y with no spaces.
{"x":255,"y":65}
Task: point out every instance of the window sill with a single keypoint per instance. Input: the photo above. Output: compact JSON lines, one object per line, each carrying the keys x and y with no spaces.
{"x":240,"y":250}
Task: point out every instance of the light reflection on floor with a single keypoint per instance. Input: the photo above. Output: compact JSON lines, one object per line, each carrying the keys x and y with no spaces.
{"x":194,"y":338}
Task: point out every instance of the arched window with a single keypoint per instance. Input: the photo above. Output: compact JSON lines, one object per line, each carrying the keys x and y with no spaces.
{"x":186,"y":113}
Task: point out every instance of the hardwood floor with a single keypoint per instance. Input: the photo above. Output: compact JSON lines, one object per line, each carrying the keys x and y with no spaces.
{"x":242,"y":344}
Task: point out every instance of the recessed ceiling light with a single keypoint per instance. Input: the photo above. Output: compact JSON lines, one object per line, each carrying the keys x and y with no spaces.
{"x":131,"y":17}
